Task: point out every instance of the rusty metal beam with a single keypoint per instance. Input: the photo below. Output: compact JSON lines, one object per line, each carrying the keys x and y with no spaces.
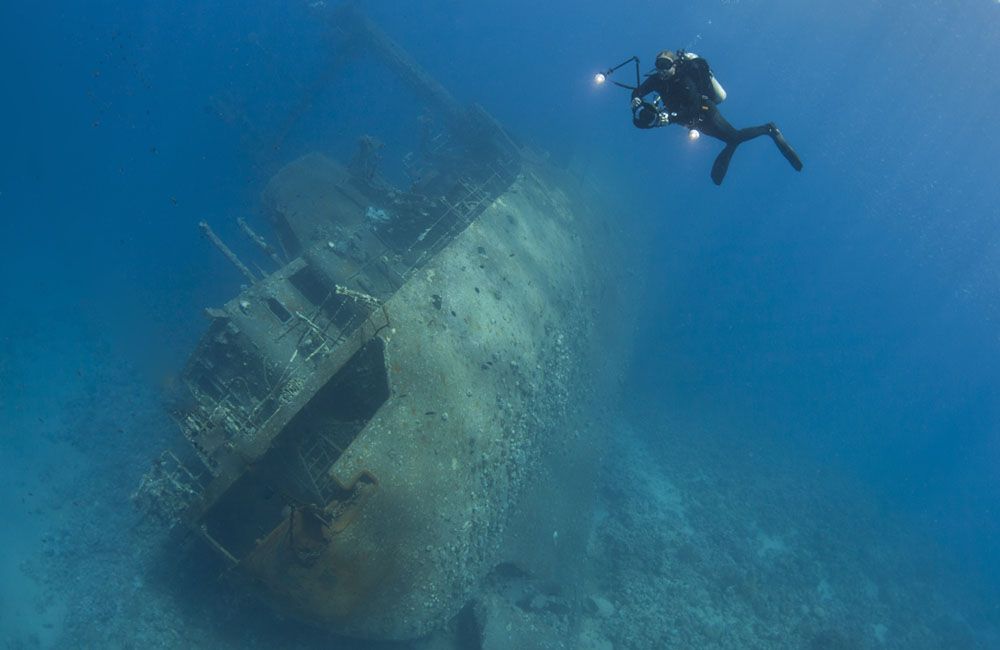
{"x":227,"y":252}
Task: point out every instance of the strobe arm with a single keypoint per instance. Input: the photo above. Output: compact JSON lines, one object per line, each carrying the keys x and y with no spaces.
{"x":602,"y":76}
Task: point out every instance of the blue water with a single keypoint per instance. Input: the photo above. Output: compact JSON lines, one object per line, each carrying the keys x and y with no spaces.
{"x":848,"y":315}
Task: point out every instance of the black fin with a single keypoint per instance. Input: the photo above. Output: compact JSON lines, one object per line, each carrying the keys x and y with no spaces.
{"x":786,"y":149}
{"x":721,"y":164}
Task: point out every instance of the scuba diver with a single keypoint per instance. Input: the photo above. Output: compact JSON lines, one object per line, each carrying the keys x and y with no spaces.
{"x":687,"y":94}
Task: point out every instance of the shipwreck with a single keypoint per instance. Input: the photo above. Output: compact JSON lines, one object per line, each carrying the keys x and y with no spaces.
{"x":362,"y":422}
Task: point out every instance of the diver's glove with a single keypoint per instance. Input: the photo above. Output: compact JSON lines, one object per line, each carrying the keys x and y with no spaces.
{"x":662,"y":119}
{"x":636,"y":102}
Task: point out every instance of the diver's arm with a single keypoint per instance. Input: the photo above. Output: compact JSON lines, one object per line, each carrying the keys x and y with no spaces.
{"x":646,"y":87}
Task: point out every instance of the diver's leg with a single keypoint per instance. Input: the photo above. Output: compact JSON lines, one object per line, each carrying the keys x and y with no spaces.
{"x":785,"y":148}
{"x":721,"y":164}
{"x":714,"y":125}
{"x":752,"y":132}
{"x":770,"y":129}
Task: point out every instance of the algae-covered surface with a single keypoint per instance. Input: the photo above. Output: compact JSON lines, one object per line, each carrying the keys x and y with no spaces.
{"x":685,"y":546}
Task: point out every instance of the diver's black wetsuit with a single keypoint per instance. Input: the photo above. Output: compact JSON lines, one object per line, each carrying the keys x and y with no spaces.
{"x":685,"y":98}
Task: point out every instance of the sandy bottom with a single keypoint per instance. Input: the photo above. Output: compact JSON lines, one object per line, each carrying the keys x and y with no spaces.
{"x":698,"y":540}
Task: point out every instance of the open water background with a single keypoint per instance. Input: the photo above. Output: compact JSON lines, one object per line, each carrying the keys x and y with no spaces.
{"x":850,"y":313}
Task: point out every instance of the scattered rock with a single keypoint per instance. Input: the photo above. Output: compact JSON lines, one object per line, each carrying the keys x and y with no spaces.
{"x":599,"y":606}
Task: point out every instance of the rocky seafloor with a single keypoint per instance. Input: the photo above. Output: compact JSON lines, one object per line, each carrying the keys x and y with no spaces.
{"x":698,"y":539}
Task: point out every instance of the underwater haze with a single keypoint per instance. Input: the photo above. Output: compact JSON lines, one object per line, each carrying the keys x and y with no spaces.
{"x":805,"y":451}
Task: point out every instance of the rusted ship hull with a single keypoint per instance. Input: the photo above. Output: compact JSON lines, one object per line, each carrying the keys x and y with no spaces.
{"x":365,"y":419}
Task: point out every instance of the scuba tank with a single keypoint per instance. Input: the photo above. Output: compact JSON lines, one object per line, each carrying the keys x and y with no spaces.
{"x":708,"y":85}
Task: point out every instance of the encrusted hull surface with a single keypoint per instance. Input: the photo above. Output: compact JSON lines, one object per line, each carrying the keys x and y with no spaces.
{"x":482,"y":352}
{"x":365,"y":420}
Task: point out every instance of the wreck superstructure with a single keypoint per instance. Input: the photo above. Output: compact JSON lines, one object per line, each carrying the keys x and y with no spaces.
{"x":364,"y":418}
